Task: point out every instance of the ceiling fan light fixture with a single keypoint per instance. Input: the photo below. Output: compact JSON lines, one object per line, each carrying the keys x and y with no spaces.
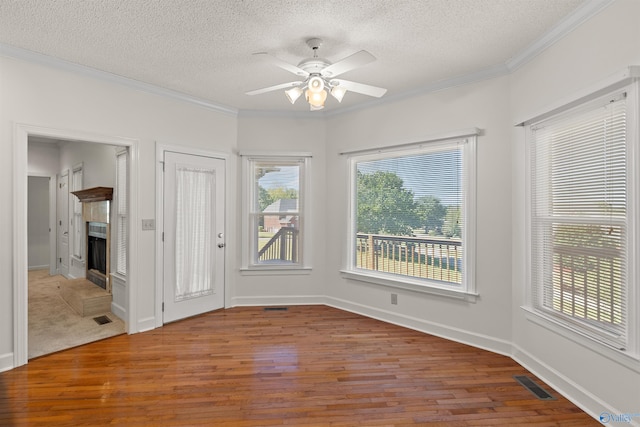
{"x":316,"y":99}
{"x":316,"y":84}
{"x":293,"y":94}
{"x":338,"y":92}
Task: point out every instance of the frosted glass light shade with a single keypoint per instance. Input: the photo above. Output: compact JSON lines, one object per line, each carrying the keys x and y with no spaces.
{"x":293,"y":94}
{"x":338,"y":92}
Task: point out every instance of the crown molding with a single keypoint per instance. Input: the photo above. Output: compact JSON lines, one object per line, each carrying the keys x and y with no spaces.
{"x":60,"y":64}
{"x":478,"y":76}
{"x":584,"y":12}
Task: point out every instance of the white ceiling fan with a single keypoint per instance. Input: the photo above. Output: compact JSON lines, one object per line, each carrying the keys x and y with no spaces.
{"x":319,"y":77}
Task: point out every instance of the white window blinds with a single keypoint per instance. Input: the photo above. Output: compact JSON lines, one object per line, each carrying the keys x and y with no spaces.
{"x":122,"y":197}
{"x":78,"y":223}
{"x":409,"y":213}
{"x":579,"y":219}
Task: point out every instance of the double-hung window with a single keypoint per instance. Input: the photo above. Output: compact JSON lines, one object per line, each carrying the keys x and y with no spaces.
{"x":412,"y":216}
{"x":122,"y":211}
{"x":78,"y":223}
{"x":276,"y":211}
{"x":581,"y":223}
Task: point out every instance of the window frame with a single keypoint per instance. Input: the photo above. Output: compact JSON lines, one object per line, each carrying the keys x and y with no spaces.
{"x":467,"y":289}
{"x":79,"y":232}
{"x":249,"y":264}
{"x":121,"y":218}
{"x":631,"y":348}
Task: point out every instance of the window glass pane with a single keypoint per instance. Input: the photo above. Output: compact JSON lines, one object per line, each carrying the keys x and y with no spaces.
{"x":194,"y":232}
{"x":122,"y":197}
{"x":579,"y":219}
{"x":276,"y":211}
{"x":409,"y":214}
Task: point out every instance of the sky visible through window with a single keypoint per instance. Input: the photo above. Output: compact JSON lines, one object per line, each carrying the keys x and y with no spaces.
{"x":284,"y":177}
{"x":434,"y":174}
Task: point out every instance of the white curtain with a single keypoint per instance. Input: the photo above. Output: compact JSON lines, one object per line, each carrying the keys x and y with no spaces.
{"x":194,"y":232}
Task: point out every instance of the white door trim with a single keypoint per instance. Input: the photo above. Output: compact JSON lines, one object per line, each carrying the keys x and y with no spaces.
{"x":21,"y":133}
{"x":160,"y":151}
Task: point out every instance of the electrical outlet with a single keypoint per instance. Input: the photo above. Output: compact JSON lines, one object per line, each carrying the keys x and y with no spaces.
{"x":148,"y":224}
{"x":394,"y":299}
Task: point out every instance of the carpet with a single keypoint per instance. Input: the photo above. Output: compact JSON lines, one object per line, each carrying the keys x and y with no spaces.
{"x":54,"y":325}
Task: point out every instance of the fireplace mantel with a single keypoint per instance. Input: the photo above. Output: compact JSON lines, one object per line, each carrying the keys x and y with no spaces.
{"x":96,"y":204}
{"x":95,"y":194}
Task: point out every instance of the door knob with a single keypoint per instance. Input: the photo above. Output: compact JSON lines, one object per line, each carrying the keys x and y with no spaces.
{"x":221,"y":245}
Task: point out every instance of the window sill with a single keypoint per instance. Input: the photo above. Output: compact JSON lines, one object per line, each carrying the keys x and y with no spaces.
{"x":275,"y":271}
{"x":408,"y":284}
{"x":623,"y":357}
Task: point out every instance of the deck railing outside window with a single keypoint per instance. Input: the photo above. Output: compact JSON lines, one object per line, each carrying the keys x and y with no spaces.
{"x":283,"y":246}
{"x":428,"y":258}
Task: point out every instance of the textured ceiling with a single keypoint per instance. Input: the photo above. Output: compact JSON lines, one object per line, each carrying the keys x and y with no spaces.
{"x":203,"y":48}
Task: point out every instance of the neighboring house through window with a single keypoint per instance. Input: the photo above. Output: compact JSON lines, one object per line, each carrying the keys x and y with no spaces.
{"x":276,"y":211}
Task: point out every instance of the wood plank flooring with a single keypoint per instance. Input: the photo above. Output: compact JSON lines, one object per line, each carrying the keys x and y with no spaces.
{"x":307,"y":366}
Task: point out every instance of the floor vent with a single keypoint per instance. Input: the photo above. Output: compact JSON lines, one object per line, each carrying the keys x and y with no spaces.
{"x":275,"y":309}
{"x":102,"y":320}
{"x":534,"y":388}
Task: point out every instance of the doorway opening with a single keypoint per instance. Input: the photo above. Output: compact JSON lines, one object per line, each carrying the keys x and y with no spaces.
{"x":64,"y":298}
{"x":26,"y":165}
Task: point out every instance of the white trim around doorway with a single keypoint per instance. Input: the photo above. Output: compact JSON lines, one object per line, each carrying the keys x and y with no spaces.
{"x":22,"y":132}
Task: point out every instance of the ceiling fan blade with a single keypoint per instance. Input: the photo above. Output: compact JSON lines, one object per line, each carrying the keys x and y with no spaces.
{"x":360,"y":88}
{"x":356,"y":60}
{"x":282,"y":64}
{"x":272,"y":88}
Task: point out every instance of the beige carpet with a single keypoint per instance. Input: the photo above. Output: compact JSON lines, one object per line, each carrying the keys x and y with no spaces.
{"x":54,"y":325}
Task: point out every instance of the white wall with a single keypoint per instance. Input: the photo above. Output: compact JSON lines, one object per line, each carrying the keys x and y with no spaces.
{"x":484,"y":105}
{"x":98,"y":161}
{"x":277,"y":134}
{"x":38,"y":222}
{"x":44,"y":159}
{"x":37,"y":95}
{"x":599,"y":48}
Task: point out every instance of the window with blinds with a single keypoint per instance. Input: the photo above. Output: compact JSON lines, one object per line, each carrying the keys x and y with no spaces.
{"x":122,"y":211}
{"x":78,"y":223}
{"x":579,"y":219}
{"x":410,"y":213}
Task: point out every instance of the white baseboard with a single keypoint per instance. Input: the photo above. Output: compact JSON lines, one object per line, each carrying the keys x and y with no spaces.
{"x":578,"y":395}
{"x":146,"y":324}
{"x":118,"y":311}
{"x":38,"y":267}
{"x":278,"y":300}
{"x":481,"y":341}
{"x":6,"y":362}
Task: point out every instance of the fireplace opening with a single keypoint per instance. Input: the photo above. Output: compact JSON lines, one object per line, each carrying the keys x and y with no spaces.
{"x":97,"y":253}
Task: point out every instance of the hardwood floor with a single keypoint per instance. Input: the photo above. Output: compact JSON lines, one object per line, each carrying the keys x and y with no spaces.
{"x":307,"y":366}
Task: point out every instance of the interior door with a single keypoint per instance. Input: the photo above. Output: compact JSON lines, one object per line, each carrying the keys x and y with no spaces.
{"x":193,"y":235}
{"x":62,"y":223}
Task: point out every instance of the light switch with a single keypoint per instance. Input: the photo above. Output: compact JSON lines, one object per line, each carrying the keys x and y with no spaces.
{"x":148,"y":224}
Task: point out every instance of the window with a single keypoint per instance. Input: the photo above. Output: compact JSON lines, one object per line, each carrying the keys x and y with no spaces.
{"x":412,"y":215}
{"x":78,"y":223}
{"x":276,"y":211}
{"x":122,"y":211}
{"x":580,"y":225}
